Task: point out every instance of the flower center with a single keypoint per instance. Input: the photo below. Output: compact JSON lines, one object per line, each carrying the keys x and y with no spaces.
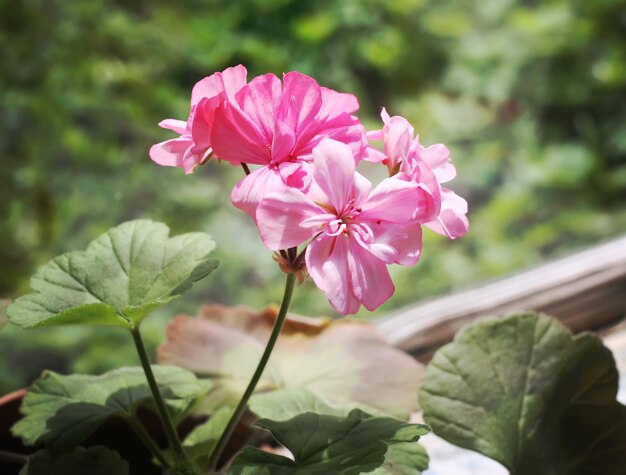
{"x":348,"y":216}
{"x":346,"y":220}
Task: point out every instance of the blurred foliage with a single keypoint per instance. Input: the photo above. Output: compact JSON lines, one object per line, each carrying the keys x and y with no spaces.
{"x":528,"y":95}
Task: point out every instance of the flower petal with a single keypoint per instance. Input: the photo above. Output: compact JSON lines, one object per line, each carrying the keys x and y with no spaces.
{"x":333,"y":172}
{"x":281,"y":218}
{"x":408,"y":244}
{"x":375,"y":135}
{"x":437,"y":157}
{"x":393,"y":200}
{"x":384,"y":115}
{"x":249,"y":191}
{"x":170,"y":153}
{"x":300,"y":102}
{"x":371,"y":282}
{"x":398,"y":139}
{"x":259,"y":100}
{"x":373,"y":155}
{"x":178,"y":126}
{"x":228,"y":83}
{"x":361,"y":190}
{"x":428,"y":197}
{"x":235,"y":138}
{"x":335,"y":103}
{"x":452,"y":221}
{"x":379,"y":242}
{"x":201,"y":121}
{"x":283,"y":142}
{"x":394,"y":243}
{"x":327,"y":264}
{"x":296,"y":174}
{"x":343,"y":128}
{"x":190,"y":161}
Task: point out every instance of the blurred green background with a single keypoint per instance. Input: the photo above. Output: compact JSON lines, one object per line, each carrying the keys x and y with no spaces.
{"x":528,"y":95}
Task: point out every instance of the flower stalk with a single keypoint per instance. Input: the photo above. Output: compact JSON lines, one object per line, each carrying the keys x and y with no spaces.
{"x":170,"y":430}
{"x":234,"y":419}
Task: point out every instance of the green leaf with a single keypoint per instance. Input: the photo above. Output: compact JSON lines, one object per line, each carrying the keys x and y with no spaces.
{"x":61,"y":411}
{"x":285,"y":404}
{"x":336,"y":443}
{"x":80,"y":461}
{"x":201,"y":441}
{"x":525,"y":392}
{"x":407,"y":458}
{"x":123,"y":275}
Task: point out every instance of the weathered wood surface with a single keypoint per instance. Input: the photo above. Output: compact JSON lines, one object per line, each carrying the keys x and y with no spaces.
{"x":586,"y":290}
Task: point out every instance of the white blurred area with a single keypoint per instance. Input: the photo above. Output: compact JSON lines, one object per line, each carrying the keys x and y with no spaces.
{"x":448,"y":459}
{"x":616,"y":342}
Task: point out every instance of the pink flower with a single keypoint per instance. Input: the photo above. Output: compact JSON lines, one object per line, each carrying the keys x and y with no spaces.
{"x":427,"y":166}
{"x":355,"y":232}
{"x":193,"y":147}
{"x":399,"y":142}
{"x":452,"y":220}
{"x":277,"y":126}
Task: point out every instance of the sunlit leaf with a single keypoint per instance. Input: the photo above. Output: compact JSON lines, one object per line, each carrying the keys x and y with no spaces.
{"x":285,"y":404}
{"x":202,"y":439}
{"x":123,"y":275}
{"x":345,"y":362}
{"x":80,"y":461}
{"x":525,"y":392}
{"x":61,"y":411}
{"x":408,"y":458}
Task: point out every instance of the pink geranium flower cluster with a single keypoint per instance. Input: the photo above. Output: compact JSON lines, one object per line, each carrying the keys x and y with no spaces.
{"x":306,"y":142}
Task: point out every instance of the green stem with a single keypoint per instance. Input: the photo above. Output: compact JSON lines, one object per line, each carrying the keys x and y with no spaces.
{"x":234,"y":419}
{"x":150,"y":444}
{"x":170,"y":430}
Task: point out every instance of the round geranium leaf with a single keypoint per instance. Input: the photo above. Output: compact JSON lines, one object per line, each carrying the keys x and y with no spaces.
{"x":331,"y":440}
{"x":61,"y":411}
{"x":526,"y":392}
{"x":120,"y":278}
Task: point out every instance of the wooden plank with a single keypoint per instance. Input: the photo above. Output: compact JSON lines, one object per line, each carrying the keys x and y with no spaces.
{"x":585,"y":290}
